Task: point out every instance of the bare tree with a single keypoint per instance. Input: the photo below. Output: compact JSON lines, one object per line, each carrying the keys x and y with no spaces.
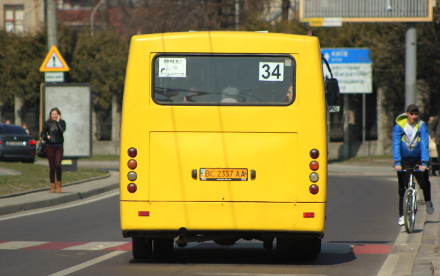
{"x":285,"y":10}
{"x":153,"y":16}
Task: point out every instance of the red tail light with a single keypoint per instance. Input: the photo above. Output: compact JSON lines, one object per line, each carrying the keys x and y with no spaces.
{"x":314,"y":189}
{"x":132,"y":164}
{"x":32,"y":142}
{"x":132,"y":187}
{"x":132,"y":152}
{"x":314,"y":153}
{"x":314,"y":165}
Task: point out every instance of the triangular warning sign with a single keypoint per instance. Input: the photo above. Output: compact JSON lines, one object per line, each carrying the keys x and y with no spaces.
{"x":54,"y":62}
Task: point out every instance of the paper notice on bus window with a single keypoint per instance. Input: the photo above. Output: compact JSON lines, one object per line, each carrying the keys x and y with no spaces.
{"x":172,"y":67}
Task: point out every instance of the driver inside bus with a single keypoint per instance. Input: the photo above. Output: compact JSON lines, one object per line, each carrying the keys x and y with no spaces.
{"x":289,"y":95}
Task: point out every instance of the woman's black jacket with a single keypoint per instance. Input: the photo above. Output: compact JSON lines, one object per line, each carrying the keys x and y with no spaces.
{"x":55,"y":130}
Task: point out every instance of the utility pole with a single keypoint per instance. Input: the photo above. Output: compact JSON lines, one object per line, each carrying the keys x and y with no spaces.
{"x":410,"y":63}
{"x":92,"y":17}
{"x":237,"y":15}
{"x":52,"y":36}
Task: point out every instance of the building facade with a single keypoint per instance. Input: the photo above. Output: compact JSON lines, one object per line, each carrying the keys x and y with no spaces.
{"x":22,"y":17}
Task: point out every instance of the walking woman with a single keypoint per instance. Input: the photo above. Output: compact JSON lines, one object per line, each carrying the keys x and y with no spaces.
{"x":52,"y":135}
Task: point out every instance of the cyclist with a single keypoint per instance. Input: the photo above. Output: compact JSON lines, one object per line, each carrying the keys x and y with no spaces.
{"x":411,"y":148}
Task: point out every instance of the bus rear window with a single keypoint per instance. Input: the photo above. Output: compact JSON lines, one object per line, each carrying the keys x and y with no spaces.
{"x":224,"y":79}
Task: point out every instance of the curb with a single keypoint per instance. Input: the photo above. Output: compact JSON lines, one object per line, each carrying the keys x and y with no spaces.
{"x":47,"y":189}
{"x":427,"y":261}
{"x":72,"y":192}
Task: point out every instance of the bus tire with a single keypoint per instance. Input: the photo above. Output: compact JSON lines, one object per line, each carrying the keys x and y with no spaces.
{"x":141,"y":248}
{"x":310,"y":249}
{"x":268,"y":244}
{"x":307,"y":250}
{"x":284,"y":245}
{"x":163,"y":248}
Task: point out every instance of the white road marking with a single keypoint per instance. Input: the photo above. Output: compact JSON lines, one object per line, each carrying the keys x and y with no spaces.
{"x":88,"y":263}
{"x":19,"y":244}
{"x":94,"y":246}
{"x":61,"y":207}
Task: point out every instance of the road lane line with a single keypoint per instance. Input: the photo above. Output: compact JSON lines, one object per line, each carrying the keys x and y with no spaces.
{"x":19,"y":244}
{"x":64,"y":206}
{"x":95,"y":246}
{"x":88,"y":263}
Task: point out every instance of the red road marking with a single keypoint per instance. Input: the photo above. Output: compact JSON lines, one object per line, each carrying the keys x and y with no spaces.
{"x":122,"y":247}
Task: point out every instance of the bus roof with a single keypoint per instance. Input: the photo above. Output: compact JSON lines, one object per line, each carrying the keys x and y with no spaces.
{"x":227,"y":41}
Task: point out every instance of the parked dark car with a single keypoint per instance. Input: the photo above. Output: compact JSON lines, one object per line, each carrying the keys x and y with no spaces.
{"x":16,"y":144}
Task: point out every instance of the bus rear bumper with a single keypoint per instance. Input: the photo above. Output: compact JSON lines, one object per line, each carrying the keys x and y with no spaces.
{"x":200,"y":221}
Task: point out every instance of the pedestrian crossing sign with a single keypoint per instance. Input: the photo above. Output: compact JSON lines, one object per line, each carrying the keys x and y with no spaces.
{"x":54,"y":62}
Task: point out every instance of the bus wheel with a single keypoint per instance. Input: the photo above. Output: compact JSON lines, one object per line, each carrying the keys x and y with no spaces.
{"x":141,"y":248}
{"x":310,"y":249}
{"x":268,"y":244}
{"x":307,"y":250}
{"x":163,"y":247}
{"x":284,"y":245}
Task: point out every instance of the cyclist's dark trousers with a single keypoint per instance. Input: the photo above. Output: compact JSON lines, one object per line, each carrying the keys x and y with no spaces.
{"x":422,"y":179}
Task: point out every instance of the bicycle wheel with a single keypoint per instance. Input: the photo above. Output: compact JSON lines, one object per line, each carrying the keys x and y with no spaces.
{"x":409,"y":214}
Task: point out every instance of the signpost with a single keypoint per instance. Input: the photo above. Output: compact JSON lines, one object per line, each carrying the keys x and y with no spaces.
{"x":314,"y":12}
{"x":325,"y":22}
{"x":54,"y":66}
{"x":353,"y":69}
{"x":75,"y":102}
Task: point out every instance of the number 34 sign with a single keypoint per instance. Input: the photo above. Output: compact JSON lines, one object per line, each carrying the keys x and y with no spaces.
{"x":271,"y":71}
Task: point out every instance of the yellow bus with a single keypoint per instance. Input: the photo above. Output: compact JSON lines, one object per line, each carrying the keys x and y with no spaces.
{"x":224,"y":138}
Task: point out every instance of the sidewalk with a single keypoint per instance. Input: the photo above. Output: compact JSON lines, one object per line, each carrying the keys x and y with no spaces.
{"x":414,"y":254}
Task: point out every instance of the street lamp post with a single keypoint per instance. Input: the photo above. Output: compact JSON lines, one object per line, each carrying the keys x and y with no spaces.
{"x":92,"y":16}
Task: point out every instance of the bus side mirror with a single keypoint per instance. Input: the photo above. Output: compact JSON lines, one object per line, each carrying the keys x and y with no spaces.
{"x":332,"y":95}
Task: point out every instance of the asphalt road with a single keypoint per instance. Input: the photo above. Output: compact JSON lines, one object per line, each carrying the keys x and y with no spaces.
{"x":362,"y":237}
{"x":86,"y":240}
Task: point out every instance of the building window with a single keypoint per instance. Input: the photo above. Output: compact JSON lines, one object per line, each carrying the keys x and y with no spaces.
{"x":14,"y":19}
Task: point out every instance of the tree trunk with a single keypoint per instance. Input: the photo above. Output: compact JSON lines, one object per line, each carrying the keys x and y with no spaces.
{"x":285,"y":10}
{"x":18,"y":104}
{"x":348,"y":121}
{"x":116,"y":120}
{"x":94,"y":125}
{"x":422,"y":99}
{"x":382,"y":121}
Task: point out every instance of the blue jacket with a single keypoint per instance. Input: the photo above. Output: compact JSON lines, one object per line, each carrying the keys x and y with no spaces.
{"x":410,"y":151}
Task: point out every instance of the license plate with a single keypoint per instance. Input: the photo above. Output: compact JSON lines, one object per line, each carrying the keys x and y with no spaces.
{"x":223,"y":174}
{"x":15,"y":143}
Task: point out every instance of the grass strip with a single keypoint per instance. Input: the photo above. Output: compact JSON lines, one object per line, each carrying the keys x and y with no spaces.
{"x":34,"y":176}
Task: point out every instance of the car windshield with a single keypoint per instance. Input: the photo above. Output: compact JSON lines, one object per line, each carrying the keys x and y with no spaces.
{"x":12,"y":129}
{"x":224,"y":79}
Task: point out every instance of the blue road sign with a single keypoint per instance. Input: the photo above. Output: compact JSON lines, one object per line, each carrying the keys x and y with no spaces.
{"x":341,"y":55}
{"x":352,"y":67}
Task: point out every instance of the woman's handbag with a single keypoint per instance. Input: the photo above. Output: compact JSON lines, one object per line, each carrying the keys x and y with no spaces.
{"x":41,"y":150}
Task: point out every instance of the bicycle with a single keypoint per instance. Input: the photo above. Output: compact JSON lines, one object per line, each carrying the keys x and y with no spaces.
{"x":410,"y":200}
